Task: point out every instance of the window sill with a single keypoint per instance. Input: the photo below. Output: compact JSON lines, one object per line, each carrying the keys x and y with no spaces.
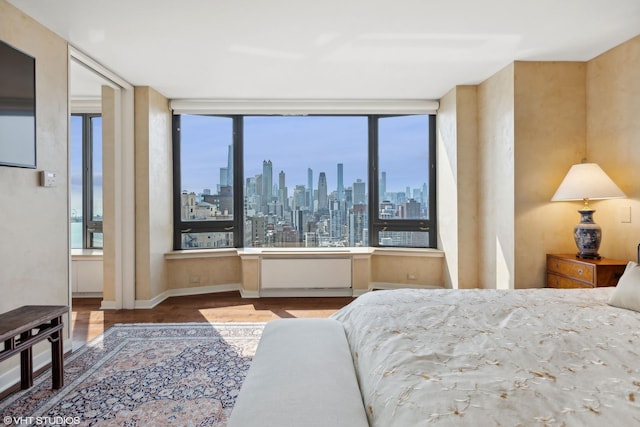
{"x":201,"y":253}
{"x":420,"y":252}
{"x":86,"y":254}
{"x":287,"y":252}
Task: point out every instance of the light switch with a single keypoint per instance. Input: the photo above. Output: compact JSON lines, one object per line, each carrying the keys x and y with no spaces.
{"x":48,"y":179}
{"x":625,"y":214}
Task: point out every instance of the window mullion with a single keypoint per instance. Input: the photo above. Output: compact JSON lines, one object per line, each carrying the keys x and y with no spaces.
{"x":87,"y":180}
{"x":238,"y":181}
{"x":373,"y":180}
{"x":177,"y":185}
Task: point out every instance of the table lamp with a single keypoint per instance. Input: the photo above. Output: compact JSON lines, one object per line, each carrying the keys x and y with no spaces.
{"x":587,"y":181}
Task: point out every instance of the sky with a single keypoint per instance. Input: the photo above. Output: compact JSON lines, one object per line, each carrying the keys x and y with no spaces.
{"x":296,"y":143}
{"x":76,"y":165}
{"x":292,"y":143}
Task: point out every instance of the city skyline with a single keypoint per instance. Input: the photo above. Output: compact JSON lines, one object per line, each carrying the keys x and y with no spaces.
{"x":295,"y":144}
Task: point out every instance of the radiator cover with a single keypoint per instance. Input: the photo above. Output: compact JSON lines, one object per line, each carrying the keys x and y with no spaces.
{"x":305,"y":273}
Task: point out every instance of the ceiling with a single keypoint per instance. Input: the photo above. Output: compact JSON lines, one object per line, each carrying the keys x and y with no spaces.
{"x":326,"y":50}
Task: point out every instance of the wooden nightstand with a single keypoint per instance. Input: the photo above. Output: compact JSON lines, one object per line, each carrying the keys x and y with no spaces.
{"x":568,"y":271}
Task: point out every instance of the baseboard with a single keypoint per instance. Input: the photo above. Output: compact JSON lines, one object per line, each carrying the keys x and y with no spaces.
{"x":332,"y":292}
{"x":389,"y":285}
{"x":210,"y":289}
{"x":360,"y":292}
{"x":86,"y":295}
{"x":108,"y":305}
{"x":249,"y":294}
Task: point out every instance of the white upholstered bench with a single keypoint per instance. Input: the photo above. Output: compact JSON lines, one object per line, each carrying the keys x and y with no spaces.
{"x":302,"y":375}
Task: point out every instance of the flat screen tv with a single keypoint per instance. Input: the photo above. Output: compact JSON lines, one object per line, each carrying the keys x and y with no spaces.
{"x":17,"y":108}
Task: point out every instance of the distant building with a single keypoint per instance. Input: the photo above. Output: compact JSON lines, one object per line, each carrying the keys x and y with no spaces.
{"x":323,"y":201}
{"x":359,"y":193}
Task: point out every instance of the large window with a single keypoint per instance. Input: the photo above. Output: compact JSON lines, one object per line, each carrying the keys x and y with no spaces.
{"x":86,"y":181}
{"x":306,"y":181}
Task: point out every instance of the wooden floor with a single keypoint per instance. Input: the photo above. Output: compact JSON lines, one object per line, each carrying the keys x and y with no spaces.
{"x":88,"y":321}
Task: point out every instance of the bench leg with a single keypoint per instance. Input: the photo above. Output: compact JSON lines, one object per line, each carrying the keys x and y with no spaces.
{"x":26,"y":363}
{"x":57,"y":357}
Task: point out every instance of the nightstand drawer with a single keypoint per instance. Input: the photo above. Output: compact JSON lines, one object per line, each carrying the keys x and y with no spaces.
{"x":567,"y":271}
{"x":576,"y":270}
{"x":555,"y":281}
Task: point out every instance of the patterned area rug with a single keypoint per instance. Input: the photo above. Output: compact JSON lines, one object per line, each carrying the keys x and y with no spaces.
{"x":161,"y":374}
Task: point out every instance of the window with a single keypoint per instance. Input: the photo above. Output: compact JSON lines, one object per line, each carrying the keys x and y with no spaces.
{"x":204,"y":209}
{"x":403,"y":161}
{"x":306,"y":181}
{"x":86,"y":181}
{"x":305,"y":176}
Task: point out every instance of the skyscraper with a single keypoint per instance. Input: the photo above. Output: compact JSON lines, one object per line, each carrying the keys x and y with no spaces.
{"x":310,"y":189}
{"x":383,"y":185}
{"x":267,"y":185}
{"x":299,"y":197}
{"x":282,"y":190}
{"x":340,"y":184}
{"x":359,"y":193}
{"x":322,"y":192}
{"x":224,"y":175}
{"x":230,"y":166}
{"x":410,"y":210}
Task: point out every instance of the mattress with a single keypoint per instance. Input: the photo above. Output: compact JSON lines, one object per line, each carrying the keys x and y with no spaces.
{"x":495,"y":357}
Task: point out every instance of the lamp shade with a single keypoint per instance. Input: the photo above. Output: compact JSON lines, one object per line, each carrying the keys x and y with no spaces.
{"x":587,"y":181}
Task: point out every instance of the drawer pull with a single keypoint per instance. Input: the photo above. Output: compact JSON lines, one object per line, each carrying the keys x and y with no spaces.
{"x":580,"y":271}
{"x":557,"y":265}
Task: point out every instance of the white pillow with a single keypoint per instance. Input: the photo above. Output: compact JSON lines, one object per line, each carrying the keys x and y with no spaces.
{"x":627,"y":293}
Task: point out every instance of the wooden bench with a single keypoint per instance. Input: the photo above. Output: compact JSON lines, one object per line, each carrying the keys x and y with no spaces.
{"x":25,"y":326}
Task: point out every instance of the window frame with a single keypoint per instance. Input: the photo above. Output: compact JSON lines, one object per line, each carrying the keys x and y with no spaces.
{"x":376,"y":225}
{"x":236,"y":225}
{"x":89,"y":225}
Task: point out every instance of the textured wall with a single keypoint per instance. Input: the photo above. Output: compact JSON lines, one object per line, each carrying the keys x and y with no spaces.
{"x":111,"y":261}
{"x":458,"y":186}
{"x":496,"y":180}
{"x":423,"y":268}
{"x":154,"y":231}
{"x":206,"y":271}
{"x":613,"y":141}
{"x":550,"y":127}
{"x":447,"y":182}
{"x":34,"y":220}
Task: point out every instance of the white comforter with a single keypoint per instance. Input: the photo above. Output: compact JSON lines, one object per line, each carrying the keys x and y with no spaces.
{"x":495,"y":358}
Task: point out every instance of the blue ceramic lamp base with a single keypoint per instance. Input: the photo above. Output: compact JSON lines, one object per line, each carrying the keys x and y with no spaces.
{"x":587,"y":235}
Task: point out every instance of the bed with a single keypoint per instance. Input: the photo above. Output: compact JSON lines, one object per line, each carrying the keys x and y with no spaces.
{"x":443,"y":357}
{"x":495,"y":357}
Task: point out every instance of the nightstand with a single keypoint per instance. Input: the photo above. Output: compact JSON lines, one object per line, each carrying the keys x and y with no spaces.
{"x":568,"y":271}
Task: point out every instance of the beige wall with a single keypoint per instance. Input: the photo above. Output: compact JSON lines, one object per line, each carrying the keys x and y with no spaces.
{"x":613,"y":141}
{"x":111,"y":262}
{"x":154,"y":224}
{"x":496,"y":180}
{"x":413,"y":270}
{"x":34,"y":220}
{"x":550,"y":127}
{"x":457,"y":144}
{"x":223,"y":271}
